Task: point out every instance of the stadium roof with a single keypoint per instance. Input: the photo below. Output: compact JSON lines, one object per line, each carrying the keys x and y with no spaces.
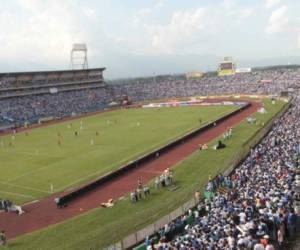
{"x":48,"y":72}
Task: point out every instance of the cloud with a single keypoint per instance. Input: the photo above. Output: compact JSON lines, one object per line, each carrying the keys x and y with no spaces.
{"x":90,"y":13}
{"x":241,"y":13}
{"x":245,"y":13}
{"x":35,"y":33}
{"x":228,"y":4}
{"x":270,"y":3}
{"x":140,"y":15}
{"x":159,"y":4}
{"x":278,"y":21}
{"x":195,"y":30}
{"x":184,"y":30}
{"x":40,"y":30}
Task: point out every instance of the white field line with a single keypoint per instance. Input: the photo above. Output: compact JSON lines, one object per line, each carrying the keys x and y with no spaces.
{"x":14,"y":152}
{"x":18,"y":194}
{"x":124,"y":161}
{"x":30,"y":202}
{"x":23,"y":187}
{"x":27,"y":173}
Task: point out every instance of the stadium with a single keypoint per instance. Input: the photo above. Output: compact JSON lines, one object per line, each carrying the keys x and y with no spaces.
{"x":121,"y":163}
{"x":163,"y":150}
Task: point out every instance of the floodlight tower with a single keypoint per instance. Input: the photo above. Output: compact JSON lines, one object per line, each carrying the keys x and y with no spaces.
{"x":79,"y":56}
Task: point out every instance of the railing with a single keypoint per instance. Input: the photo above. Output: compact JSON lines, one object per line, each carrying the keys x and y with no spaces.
{"x":50,"y":85}
{"x":45,"y":90}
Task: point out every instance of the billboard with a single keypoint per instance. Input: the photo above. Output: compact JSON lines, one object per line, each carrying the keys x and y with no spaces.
{"x":194,"y":75}
{"x":243,"y":70}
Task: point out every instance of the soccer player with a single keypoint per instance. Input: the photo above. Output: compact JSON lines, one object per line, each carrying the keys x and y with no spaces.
{"x":229,"y":132}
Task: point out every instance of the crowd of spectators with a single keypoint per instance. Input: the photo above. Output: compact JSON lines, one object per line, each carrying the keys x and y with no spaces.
{"x":32,"y":107}
{"x":257,"y":82}
{"x":260,"y":208}
{"x":27,"y":108}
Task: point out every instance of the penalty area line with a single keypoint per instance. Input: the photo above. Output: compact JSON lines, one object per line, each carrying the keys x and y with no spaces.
{"x":29,"y":188}
{"x":18,"y":194}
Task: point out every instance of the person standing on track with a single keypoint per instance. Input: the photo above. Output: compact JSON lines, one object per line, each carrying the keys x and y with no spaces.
{"x":3,"y":240}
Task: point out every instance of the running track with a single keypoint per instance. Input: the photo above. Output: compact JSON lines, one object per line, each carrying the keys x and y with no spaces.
{"x":44,"y":212}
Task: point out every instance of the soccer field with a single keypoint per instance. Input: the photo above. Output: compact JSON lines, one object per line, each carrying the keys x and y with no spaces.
{"x":53,"y":158}
{"x":99,"y":228}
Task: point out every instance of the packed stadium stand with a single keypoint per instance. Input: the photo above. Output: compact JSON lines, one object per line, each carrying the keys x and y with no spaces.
{"x":33,"y":95}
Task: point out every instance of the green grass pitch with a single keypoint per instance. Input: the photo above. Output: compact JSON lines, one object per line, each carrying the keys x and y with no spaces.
{"x":52,"y":159}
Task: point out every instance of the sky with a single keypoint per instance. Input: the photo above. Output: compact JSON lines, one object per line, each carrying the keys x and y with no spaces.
{"x":145,"y":37}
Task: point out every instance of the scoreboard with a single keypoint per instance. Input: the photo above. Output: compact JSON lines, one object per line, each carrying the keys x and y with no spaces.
{"x":226,"y":67}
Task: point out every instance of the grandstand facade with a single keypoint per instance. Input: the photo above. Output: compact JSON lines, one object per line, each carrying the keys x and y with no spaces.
{"x":45,"y":82}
